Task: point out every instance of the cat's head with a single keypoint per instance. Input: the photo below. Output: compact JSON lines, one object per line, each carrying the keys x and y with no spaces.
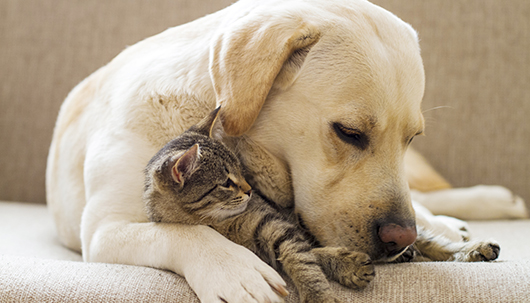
{"x":205,"y":177}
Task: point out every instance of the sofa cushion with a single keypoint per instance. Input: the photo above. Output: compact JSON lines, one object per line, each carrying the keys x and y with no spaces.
{"x":30,"y":270}
{"x":28,"y":230}
{"x":38,"y":280}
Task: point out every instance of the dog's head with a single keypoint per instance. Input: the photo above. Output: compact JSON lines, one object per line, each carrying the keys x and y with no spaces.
{"x":333,"y":91}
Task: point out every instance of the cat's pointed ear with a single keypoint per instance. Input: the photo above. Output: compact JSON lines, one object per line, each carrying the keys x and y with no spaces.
{"x":216,"y":129}
{"x":211,"y":125}
{"x":186,"y":165}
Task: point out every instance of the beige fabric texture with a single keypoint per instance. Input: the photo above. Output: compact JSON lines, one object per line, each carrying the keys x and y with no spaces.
{"x":475,"y":52}
{"x":31,"y":270}
{"x":476,"y":59}
{"x":27,"y":230}
{"x":46,"y":48}
{"x":476,"y":56}
{"x":38,"y":280}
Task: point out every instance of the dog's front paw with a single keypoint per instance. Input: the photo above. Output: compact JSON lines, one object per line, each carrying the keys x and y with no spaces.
{"x":483,"y":251}
{"x":236,"y":276}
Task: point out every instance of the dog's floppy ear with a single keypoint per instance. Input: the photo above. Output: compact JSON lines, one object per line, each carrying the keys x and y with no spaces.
{"x":245,"y":59}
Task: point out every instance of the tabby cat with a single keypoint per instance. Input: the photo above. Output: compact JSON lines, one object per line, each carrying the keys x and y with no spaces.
{"x":196,"y":179}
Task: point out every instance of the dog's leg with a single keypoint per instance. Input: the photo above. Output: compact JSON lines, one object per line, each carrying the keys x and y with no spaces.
{"x":115,"y":229}
{"x":421,"y":175}
{"x":442,"y":238}
{"x":429,"y":247}
{"x":451,"y":228}
{"x":474,"y":203}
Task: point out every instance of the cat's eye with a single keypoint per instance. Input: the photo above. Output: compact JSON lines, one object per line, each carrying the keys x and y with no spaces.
{"x":351,"y":136}
{"x":229,"y":183}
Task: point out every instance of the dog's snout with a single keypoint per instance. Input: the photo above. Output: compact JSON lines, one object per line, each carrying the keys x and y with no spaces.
{"x":396,"y":237}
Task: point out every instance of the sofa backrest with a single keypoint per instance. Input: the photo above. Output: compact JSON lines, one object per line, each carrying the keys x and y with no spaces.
{"x":477,"y":97}
{"x":475,"y":53}
{"x":46,"y":48}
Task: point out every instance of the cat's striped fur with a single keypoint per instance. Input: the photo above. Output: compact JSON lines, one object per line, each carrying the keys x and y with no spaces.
{"x":195,"y":179}
{"x":278,"y":240}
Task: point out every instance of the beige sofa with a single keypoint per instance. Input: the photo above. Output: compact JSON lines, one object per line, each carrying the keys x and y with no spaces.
{"x":477,"y":61}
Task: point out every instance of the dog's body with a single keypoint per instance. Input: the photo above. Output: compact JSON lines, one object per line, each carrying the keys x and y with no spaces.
{"x":326,"y":98}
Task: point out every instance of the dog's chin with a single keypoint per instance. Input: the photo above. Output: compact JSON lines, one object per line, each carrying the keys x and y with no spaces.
{"x":378,"y":253}
{"x":391,"y":256}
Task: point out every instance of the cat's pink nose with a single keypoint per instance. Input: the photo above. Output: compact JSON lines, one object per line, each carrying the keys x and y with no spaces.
{"x":397,"y":237}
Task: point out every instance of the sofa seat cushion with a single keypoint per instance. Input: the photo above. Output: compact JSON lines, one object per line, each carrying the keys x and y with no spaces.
{"x":35,"y":268}
{"x":27,"y":279}
{"x":27,"y":229}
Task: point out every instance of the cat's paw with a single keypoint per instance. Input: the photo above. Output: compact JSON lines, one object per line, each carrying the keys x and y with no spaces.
{"x":349,"y":268}
{"x":360,"y":271}
{"x":481,"y":251}
{"x":331,"y":299}
{"x":356,"y":270}
{"x":324,"y":297}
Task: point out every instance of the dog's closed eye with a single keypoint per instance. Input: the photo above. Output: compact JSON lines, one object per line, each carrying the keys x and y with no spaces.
{"x":351,"y":136}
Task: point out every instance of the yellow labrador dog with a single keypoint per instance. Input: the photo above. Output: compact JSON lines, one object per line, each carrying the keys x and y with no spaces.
{"x":320,"y":100}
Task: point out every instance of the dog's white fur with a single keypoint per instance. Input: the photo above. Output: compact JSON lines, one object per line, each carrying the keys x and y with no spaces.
{"x":283,"y":72}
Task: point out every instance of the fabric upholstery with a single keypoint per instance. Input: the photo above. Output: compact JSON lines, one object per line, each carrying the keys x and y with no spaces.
{"x":38,"y":280}
{"x":35,"y":268}
{"x":46,"y":48}
{"x":27,"y":230}
{"x":477,"y":97}
{"x":476,"y":60}
{"x":475,"y":53}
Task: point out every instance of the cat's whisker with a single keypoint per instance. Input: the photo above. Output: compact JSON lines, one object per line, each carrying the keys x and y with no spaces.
{"x":437,"y":107}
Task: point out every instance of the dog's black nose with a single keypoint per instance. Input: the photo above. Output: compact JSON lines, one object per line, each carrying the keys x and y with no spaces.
{"x":397,"y":237}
